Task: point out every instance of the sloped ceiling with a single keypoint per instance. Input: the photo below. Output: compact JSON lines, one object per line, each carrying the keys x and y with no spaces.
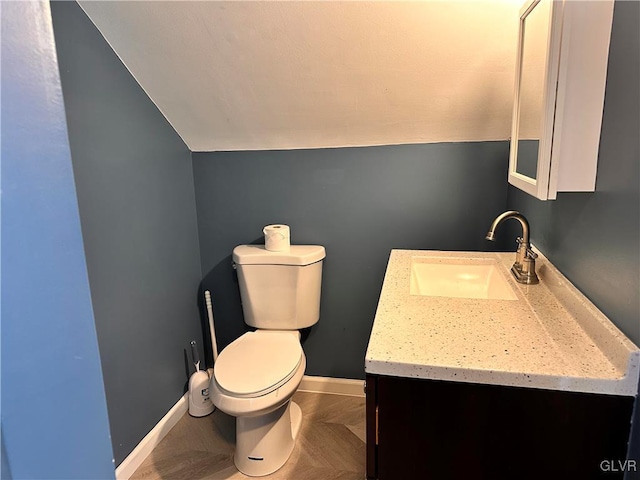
{"x":282,"y":75}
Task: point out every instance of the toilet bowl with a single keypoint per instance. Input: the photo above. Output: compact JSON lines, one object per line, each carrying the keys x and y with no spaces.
{"x":254,"y":380}
{"x":255,"y":377}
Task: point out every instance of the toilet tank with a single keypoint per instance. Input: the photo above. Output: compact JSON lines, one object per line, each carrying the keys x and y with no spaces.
{"x":280,"y":290}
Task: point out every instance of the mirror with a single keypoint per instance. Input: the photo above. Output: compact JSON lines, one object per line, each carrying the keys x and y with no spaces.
{"x":538,"y":52}
{"x":535,"y":32}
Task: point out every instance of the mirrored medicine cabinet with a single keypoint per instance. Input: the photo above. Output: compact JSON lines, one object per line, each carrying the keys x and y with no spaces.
{"x":561,"y":70}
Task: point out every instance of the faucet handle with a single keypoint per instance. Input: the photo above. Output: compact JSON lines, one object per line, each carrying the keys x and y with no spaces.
{"x":526,"y":248}
{"x":522,"y":244}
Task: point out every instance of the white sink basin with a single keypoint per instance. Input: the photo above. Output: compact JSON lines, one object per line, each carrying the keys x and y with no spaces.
{"x":459,"y":278}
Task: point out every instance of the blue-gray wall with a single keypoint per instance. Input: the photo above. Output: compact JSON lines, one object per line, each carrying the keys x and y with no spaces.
{"x":54,"y":414}
{"x":136,"y":196}
{"x":594,"y":238}
{"x":357,"y":202}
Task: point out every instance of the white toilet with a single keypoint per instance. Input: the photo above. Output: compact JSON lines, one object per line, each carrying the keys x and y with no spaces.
{"x":255,"y":376}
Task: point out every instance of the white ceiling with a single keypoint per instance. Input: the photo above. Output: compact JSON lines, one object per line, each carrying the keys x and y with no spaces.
{"x":239,"y":75}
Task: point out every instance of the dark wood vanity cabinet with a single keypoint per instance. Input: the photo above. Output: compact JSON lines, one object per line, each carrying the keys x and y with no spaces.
{"x":429,"y":429}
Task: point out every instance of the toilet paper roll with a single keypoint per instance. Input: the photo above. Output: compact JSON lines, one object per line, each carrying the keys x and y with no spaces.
{"x":277,"y":238}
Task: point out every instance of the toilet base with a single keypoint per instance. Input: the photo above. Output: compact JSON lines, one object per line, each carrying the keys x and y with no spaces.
{"x":264,"y":443}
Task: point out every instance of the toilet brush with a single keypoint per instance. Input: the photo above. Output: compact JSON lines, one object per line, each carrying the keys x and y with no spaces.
{"x":212,"y":329}
{"x":199,"y":402}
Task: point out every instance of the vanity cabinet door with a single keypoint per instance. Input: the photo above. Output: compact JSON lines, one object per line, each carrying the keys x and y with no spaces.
{"x":429,"y":429}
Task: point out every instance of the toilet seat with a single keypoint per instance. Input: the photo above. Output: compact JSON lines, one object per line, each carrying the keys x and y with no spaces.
{"x":257,"y":363}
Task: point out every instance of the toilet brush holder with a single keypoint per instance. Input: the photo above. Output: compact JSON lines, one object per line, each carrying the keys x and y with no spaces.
{"x":200,"y":403}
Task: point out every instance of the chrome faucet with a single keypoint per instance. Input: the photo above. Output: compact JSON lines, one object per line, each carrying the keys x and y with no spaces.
{"x":524,"y":268}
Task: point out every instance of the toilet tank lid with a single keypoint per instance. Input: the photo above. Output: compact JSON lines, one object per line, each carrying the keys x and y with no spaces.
{"x":296,"y":255}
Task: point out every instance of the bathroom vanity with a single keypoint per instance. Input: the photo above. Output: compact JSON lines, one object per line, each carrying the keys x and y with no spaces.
{"x":473,"y":375}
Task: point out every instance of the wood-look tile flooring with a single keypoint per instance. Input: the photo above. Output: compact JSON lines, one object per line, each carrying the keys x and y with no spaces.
{"x":330,"y":445}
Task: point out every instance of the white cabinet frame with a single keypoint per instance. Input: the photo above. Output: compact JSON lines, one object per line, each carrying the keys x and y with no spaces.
{"x":573,"y":99}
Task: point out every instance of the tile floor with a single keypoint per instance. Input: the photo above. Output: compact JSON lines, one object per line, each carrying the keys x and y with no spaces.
{"x":330,"y":445}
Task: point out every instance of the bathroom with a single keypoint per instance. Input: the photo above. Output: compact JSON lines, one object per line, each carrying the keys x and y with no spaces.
{"x":141,"y":189}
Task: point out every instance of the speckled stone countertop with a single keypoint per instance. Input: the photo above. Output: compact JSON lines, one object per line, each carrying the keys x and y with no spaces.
{"x":551,"y":337}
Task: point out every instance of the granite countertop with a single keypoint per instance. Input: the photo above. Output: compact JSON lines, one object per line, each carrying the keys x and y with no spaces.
{"x":551,"y":337}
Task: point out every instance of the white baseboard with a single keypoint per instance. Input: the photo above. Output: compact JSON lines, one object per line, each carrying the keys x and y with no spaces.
{"x":336,"y":386}
{"x":130,"y":464}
